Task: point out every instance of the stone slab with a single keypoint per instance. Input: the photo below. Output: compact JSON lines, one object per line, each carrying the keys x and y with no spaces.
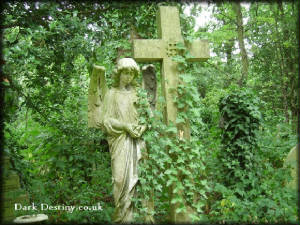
{"x":12,"y":182}
{"x":292,"y":160}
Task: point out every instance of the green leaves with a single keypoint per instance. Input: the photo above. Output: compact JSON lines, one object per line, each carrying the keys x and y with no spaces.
{"x":171,"y":129}
{"x":241,"y":122}
{"x":48,"y":48}
{"x":11,"y":34}
{"x":247,"y":167}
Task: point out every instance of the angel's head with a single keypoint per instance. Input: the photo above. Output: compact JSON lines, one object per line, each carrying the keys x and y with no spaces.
{"x":126,"y":72}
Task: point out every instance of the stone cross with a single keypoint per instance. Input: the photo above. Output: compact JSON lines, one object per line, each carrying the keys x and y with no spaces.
{"x":163,"y":49}
{"x":169,"y":32}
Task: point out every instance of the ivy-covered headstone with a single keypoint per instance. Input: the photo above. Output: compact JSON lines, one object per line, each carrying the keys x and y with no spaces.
{"x":241,"y":120}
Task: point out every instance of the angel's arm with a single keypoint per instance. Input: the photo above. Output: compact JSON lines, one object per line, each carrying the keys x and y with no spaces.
{"x":115,"y":126}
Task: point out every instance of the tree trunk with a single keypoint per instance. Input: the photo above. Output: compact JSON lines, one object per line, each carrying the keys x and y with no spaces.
{"x":228,"y":51}
{"x":288,"y":63}
{"x":240,"y":30}
{"x":282,"y":64}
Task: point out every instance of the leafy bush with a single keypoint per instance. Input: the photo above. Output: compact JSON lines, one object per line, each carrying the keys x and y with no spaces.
{"x":251,"y":188}
{"x":241,"y":121}
{"x":62,"y":164}
{"x":233,"y":174}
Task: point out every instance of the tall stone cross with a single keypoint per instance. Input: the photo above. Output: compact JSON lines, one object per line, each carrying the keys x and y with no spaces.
{"x":163,"y":49}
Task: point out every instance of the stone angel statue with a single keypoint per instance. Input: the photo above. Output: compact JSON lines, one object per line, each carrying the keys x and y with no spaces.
{"x":113,"y":110}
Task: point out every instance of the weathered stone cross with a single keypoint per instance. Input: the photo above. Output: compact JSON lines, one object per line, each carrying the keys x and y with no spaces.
{"x":163,"y":49}
{"x":169,"y":32}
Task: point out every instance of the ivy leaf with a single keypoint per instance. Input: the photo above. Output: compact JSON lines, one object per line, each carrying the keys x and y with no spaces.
{"x":12,"y":34}
{"x":172,"y":130}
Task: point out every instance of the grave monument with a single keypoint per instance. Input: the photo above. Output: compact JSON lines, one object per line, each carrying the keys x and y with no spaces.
{"x":163,"y":49}
{"x":113,"y":110}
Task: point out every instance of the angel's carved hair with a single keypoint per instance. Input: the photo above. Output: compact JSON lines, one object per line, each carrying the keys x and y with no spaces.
{"x":125,"y":64}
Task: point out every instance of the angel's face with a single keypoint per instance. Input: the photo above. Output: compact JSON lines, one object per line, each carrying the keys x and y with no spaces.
{"x":126,"y":77}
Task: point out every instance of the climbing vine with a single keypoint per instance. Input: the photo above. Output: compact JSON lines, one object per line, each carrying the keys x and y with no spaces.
{"x":173,"y":163}
{"x":241,"y":120}
{"x":48,"y":52}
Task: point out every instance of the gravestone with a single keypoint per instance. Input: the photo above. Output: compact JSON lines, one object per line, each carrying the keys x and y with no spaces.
{"x":11,"y":192}
{"x":292,"y":160}
{"x":163,"y":49}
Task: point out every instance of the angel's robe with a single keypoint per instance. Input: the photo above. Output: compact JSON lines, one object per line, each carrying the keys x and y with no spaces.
{"x":125,"y":151}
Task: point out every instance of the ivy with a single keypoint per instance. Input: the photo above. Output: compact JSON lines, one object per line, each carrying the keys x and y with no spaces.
{"x":241,"y":120}
{"x":172,"y":160}
{"x":231,"y":168}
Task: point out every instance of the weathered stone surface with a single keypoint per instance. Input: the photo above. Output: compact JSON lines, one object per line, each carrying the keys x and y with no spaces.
{"x":13,"y":197}
{"x":11,"y":191}
{"x":118,"y":118}
{"x":96,"y":92}
{"x":163,"y":49}
{"x":148,"y":50}
{"x":11,"y":182}
{"x":199,"y":50}
{"x":292,"y":160}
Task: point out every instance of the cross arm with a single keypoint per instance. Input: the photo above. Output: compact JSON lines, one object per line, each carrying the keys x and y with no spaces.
{"x":199,"y":49}
{"x":147,"y":50}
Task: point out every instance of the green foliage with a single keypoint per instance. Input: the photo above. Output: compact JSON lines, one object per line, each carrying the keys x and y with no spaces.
{"x":60,"y":168}
{"x":172,"y":162}
{"x":241,"y":120}
{"x":275,"y":142}
{"x":48,"y":51}
{"x":252,"y":187}
{"x":276,"y":80}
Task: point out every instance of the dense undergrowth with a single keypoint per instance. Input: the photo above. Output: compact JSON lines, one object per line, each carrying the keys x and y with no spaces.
{"x":231,"y":169}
